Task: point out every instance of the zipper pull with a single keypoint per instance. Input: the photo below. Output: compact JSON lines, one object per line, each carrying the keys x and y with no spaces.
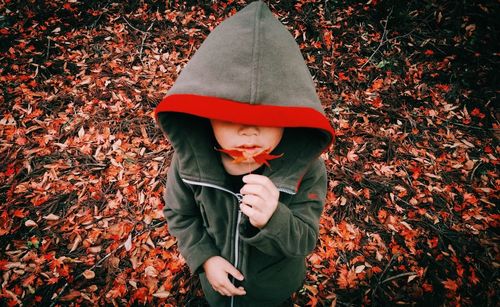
{"x":239,"y":196}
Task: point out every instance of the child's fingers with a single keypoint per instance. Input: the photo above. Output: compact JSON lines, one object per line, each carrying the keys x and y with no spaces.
{"x":253,"y":201}
{"x":239,"y":291}
{"x":256,"y":189}
{"x":248,"y":211}
{"x":228,"y":287}
{"x":258,"y":179}
{"x":223,"y":291}
{"x":234,"y":272}
{"x":262,"y":184}
{"x":254,"y":178}
{"x":232,"y":290}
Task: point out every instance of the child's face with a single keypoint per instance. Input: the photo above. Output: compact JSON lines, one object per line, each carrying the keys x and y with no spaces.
{"x":250,"y":139}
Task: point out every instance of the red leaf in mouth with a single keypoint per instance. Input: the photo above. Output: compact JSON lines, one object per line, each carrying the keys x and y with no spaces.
{"x":264,"y":156}
{"x":239,"y":156}
{"x":236,"y":154}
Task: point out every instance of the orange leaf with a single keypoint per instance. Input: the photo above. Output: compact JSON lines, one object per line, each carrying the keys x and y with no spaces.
{"x":327,"y":37}
{"x":377,"y":84}
{"x":239,"y":156}
{"x":347,"y":278}
{"x":264,"y":156}
{"x":313,"y":301}
{"x":236,"y":154}
{"x":29,"y":280}
{"x":343,"y":77}
{"x":450,"y":285}
{"x":3,"y":264}
{"x":20,"y":213}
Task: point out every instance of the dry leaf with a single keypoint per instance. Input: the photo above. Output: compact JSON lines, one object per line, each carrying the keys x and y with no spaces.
{"x":88,"y":274}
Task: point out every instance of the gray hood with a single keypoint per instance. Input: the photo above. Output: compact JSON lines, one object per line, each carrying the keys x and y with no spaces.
{"x":248,"y":70}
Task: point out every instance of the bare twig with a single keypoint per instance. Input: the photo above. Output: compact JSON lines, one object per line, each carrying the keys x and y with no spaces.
{"x":383,"y":40}
{"x":398,"y":276}
{"x":401,"y":36}
{"x":100,"y":15}
{"x":383,"y":273}
{"x":132,"y":25}
{"x":474,"y":170}
{"x":48,"y":48}
{"x":146,"y":34}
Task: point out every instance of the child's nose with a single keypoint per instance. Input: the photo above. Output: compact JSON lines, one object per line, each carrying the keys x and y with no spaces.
{"x":249,"y":130}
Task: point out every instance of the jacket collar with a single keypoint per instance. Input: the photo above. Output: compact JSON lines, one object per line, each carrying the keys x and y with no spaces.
{"x":200,"y":162}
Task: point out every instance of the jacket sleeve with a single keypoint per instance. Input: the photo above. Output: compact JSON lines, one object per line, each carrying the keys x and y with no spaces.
{"x":292,"y":230}
{"x":185,"y":222}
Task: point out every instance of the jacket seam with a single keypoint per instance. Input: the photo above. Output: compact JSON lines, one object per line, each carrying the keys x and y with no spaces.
{"x":255,"y":57}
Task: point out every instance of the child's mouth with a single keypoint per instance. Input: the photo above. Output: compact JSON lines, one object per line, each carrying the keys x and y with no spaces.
{"x":256,"y":154}
{"x":249,"y":147}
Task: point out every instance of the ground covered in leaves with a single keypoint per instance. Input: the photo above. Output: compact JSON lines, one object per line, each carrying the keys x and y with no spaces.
{"x":410,"y":86}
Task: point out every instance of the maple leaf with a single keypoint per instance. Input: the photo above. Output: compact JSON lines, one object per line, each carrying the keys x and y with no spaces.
{"x":313,"y":301}
{"x":347,"y":278}
{"x":327,"y":37}
{"x":3,"y":264}
{"x":20,"y":213}
{"x":450,"y":285}
{"x":239,"y":156}
{"x":29,"y":280}
{"x":428,"y":52}
{"x":473,"y":277}
{"x":377,"y":84}
{"x":343,"y":77}
{"x":264,"y":156}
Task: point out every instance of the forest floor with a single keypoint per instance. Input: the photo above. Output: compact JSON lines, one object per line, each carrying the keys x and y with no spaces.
{"x":411,"y":88}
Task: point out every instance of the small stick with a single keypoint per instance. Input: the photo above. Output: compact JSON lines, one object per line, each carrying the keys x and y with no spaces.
{"x":398,"y":276}
{"x":143,"y":39}
{"x":48,"y":49}
{"x":383,"y":40}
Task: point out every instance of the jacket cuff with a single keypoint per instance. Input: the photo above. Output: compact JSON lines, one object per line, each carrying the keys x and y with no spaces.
{"x":278,"y":221}
{"x":247,"y":230}
{"x":198,"y":255}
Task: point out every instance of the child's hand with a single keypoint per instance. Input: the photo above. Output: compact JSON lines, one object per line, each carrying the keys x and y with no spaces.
{"x":260,"y":199}
{"x":217,"y":270}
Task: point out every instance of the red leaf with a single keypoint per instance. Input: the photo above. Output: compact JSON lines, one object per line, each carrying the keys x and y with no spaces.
{"x":347,"y":278}
{"x":327,"y":38}
{"x":234,"y":153}
{"x":264,"y":156}
{"x":20,"y":213}
{"x":473,"y":278}
{"x":377,"y":102}
{"x":450,"y":285}
{"x":377,"y":84}
{"x":343,"y":77}
{"x":239,"y":156}
{"x":3,"y":263}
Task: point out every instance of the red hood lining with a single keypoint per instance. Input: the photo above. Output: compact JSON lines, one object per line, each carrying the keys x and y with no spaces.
{"x":244,"y":113}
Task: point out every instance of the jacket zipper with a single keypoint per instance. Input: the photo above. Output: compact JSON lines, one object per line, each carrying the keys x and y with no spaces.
{"x":239,"y":197}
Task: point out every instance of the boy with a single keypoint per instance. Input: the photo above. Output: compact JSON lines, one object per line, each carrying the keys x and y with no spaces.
{"x":246,"y":187}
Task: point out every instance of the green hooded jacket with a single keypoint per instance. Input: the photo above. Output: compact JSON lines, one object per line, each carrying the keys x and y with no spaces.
{"x":248,"y":70}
